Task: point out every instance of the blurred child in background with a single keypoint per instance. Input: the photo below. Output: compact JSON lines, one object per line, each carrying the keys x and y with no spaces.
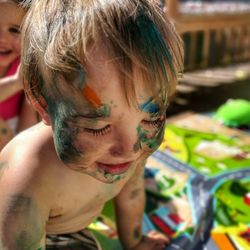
{"x":15,"y":113}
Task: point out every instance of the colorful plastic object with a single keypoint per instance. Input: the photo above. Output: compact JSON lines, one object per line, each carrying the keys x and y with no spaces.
{"x":234,"y":113}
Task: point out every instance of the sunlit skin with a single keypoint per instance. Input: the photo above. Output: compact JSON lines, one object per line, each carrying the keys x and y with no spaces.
{"x":102,"y":97}
{"x":10,"y":21}
{"x":99,"y":139}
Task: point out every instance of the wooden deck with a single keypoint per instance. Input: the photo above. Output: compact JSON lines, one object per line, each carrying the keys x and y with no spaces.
{"x":217,"y":54}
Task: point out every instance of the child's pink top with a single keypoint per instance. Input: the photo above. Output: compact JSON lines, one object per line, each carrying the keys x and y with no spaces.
{"x":10,"y":108}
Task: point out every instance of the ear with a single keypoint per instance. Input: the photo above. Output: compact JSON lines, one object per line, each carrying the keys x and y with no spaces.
{"x":40,"y":105}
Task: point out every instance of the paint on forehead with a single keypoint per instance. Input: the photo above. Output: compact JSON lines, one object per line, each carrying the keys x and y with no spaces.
{"x":79,"y":81}
{"x":76,"y":77}
{"x":91,"y":96}
{"x":150,"y":107}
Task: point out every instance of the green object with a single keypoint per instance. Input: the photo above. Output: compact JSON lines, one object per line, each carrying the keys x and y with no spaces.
{"x":234,"y":113}
{"x":231,"y":208}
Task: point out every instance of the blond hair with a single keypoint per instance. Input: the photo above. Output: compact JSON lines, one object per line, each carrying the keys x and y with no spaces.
{"x":57,"y":34}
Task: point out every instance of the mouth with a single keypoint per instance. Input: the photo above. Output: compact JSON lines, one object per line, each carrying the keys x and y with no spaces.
{"x":5,"y":52}
{"x":114,"y":169}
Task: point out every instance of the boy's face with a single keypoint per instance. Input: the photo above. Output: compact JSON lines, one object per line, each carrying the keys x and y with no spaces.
{"x":96,"y":131}
{"x":10,"y":20}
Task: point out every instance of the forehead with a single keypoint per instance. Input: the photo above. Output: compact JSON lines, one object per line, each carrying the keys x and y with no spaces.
{"x":11,"y":13}
{"x":104,"y":74}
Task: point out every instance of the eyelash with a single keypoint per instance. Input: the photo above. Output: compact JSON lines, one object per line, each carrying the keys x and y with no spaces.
{"x":14,"y":30}
{"x":155,"y":123}
{"x":103,"y":131}
{"x":98,"y":132}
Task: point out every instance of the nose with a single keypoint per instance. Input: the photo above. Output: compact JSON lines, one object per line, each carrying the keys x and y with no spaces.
{"x":124,"y":141}
{"x":3,"y":36}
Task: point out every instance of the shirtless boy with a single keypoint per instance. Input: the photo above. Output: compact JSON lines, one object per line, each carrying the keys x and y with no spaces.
{"x":100,"y":73}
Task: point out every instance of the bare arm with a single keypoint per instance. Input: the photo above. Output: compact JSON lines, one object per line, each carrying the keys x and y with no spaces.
{"x":22,"y":223}
{"x":6,"y":133}
{"x":129,"y":206}
{"x":10,"y":85}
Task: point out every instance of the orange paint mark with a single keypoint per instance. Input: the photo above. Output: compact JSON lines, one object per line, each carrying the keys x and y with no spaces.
{"x":222,"y":241}
{"x":91,"y":96}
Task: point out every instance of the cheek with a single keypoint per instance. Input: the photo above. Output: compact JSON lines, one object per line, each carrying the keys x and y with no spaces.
{"x":84,"y":145}
{"x":149,"y":140}
{"x":64,"y":144}
{"x":17,"y":45}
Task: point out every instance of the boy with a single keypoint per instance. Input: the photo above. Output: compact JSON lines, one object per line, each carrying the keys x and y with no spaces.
{"x":100,"y":74}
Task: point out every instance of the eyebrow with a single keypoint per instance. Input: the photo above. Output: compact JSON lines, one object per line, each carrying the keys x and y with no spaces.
{"x":150,"y":106}
{"x":15,"y":25}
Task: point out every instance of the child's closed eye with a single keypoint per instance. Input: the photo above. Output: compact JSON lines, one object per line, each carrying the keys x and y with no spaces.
{"x":99,"y":131}
{"x":156,"y":123}
{"x":14,"y":30}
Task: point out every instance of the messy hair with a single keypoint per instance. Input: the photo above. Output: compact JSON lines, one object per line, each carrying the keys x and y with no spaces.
{"x":58,"y":33}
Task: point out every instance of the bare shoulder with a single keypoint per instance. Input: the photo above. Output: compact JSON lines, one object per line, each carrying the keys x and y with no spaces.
{"x":25,"y":190}
{"x":27,"y":159}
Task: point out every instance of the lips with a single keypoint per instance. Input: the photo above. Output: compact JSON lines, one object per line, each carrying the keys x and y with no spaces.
{"x":5,"y":52}
{"x":114,"y":168}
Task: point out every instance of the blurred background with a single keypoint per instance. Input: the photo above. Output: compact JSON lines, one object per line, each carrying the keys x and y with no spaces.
{"x":216,"y":34}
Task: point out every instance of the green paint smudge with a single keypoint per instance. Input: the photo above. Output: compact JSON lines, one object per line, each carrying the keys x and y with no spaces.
{"x":4,"y":131}
{"x":151,"y":142}
{"x":104,"y":110}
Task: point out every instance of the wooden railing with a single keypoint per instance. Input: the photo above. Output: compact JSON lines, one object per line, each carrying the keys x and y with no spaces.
{"x":212,"y":40}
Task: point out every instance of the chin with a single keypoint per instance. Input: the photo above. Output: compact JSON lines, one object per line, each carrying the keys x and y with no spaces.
{"x":105,"y":177}
{"x":98,"y":174}
{"x":108,"y":179}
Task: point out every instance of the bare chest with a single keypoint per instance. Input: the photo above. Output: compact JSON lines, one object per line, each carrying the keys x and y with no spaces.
{"x":78,"y":203}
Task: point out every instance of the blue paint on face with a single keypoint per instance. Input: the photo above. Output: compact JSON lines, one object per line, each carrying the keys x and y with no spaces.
{"x":150,"y":107}
{"x":64,"y":135}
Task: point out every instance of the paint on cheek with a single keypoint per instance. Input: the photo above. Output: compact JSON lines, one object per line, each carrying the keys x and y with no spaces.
{"x":64,"y":140}
{"x":64,"y":135}
{"x":152,"y":142}
{"x":141,"y":137}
